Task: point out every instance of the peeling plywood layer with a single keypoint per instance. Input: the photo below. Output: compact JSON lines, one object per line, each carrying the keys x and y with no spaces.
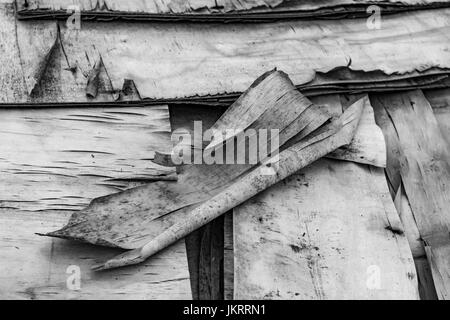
{"x":38,"y":268}
{"x":217,"y":10}
{"x":186,"y":60}
{"x":324,"y":233}
{"x":62,"y":158}
{"x":209,"y":62}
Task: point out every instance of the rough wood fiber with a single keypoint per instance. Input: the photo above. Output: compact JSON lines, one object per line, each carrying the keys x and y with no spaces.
{"x":62,"y":158}
{"x":35,"y":267}
{"x":319,"y":235}
{"x":57,"y":70}
{"x":193,"y":51}
{"x":424,"y":164}
{"x":249,"y":51}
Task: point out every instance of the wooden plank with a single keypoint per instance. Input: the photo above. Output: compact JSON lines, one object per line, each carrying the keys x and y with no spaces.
{"x":36,"y":267}
{"x":425,"y":172}
{"x":62,"y":158}
{"x":322,"y":234}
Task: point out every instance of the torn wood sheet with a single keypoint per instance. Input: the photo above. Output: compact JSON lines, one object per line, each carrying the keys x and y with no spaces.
{"x":39,"y":268}
{"x":337,"y":133}
{"x":62,"y":158}
{"x":221,"y":10}
{"x":194,"y":52}
{"x":172,"y":204}
{"x":145,"y":211}
{"x":424,"y":168}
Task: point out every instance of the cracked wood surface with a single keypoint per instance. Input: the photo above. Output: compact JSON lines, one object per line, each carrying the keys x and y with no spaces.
{"x":62,"y":158}
{"x":36,"y":268}
{"x":209,"y":57}
{"x":176,"y":55}
{"x":322,"y":234}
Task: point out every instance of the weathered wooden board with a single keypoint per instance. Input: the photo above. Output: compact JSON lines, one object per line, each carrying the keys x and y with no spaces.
{"x":323,"y":234}
{"x":212,"y":54}
{"x":34,"y":267}
{"x":175,"y":55}
{"x":424,"y":166}
{"x":62,"y":158}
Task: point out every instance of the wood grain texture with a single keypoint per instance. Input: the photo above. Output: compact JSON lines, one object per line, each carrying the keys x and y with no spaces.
{"x":62,"y":158}
{"x":424,"y":166}
{"x":319,"y":235}
{"x":53,"y":67}
{"x":35,"y":267}
{"x":195,"y":52}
